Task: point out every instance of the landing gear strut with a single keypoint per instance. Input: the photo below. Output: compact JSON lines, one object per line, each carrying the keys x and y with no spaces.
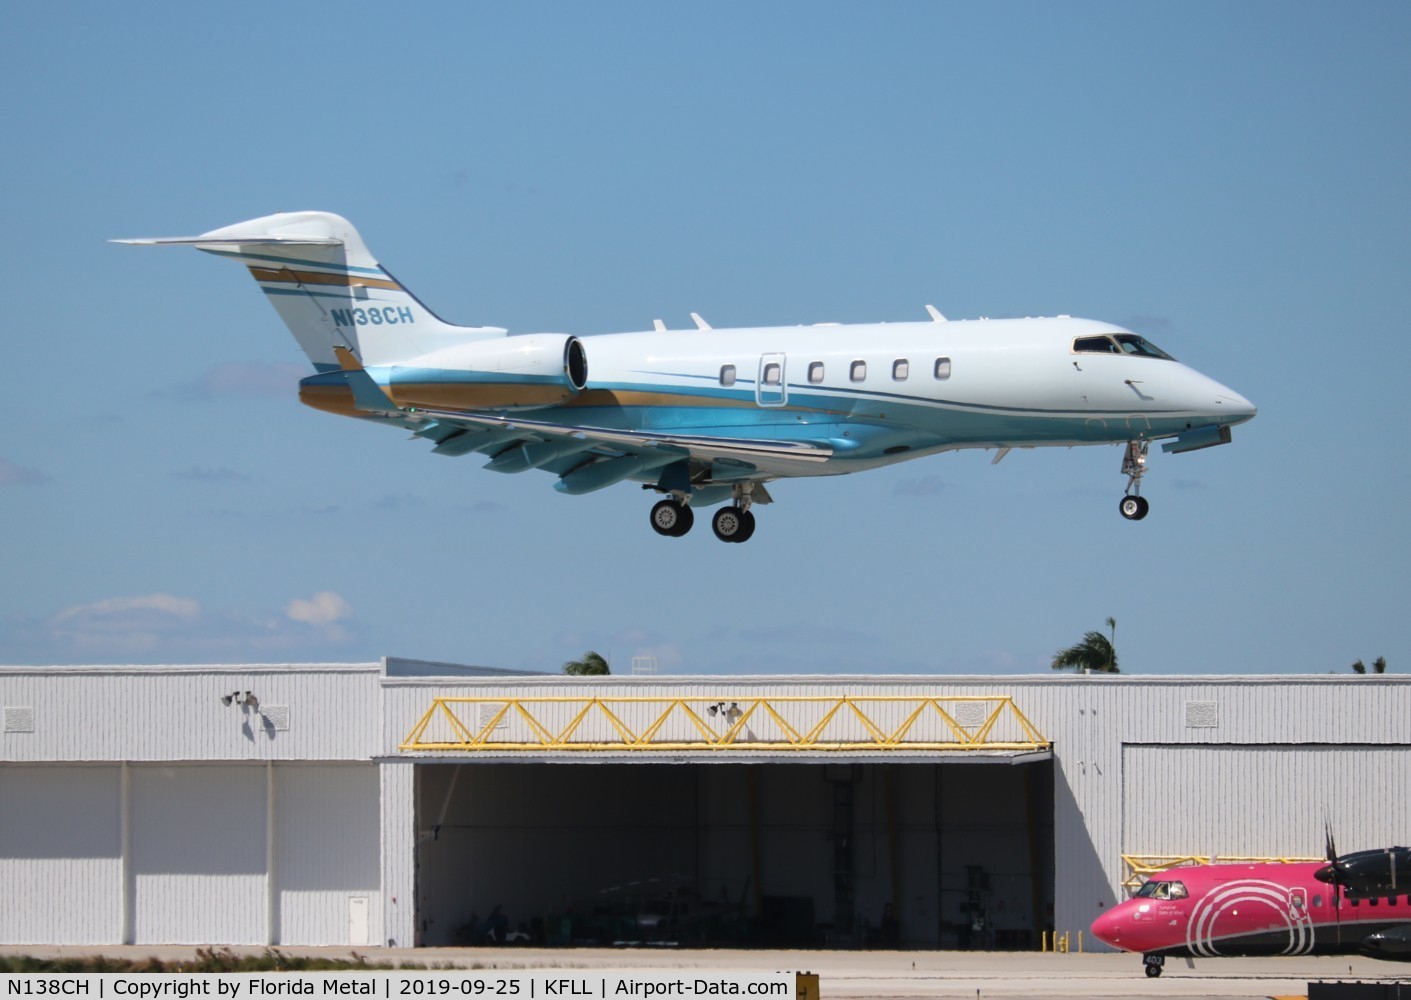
{"x":1134,"y":507}
{"x":1153,"y":965}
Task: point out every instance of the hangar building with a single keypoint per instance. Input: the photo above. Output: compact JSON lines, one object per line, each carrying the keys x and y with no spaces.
{"x":410,"y":803}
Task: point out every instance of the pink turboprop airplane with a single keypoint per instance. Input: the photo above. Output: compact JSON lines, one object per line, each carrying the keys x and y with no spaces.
{"x":1356,"y":902}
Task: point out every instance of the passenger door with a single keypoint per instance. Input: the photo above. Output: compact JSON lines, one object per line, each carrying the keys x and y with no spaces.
{"x":771,"y":389}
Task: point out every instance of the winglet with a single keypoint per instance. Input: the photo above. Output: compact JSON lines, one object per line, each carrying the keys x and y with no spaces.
{"x":700,"y":323}
{"x":936,"y":316}
{"x":367,"y":394}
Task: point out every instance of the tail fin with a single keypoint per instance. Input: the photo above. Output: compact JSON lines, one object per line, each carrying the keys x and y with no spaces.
{"x":329,"y":290}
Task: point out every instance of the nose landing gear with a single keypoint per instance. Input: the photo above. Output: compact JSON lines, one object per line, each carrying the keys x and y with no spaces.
{"x":1134,"y":506}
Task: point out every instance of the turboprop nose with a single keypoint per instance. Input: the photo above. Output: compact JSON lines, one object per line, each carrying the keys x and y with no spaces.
{"x":1108,"y":928}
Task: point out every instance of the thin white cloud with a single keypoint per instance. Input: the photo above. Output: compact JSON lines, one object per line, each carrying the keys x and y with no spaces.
{"x":123,"y":625}
{"x":117,"y":608}
{"x":324,"y":608}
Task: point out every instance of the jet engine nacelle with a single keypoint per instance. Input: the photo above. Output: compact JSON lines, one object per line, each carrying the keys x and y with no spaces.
{"x":525,"y":372}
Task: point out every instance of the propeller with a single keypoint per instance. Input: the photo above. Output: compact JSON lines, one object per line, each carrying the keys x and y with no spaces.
{"x":1332,"y":874}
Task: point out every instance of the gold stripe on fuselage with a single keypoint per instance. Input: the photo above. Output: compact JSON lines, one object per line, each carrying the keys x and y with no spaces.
{"x":472,"y":396}
{"x":440,"y":396}
{"x":288,"y":276}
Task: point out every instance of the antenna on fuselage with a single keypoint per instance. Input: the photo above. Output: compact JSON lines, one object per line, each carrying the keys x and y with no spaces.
{"x":700,"y":323}
{"x":658,"y":326}
{"x":936,"y":316}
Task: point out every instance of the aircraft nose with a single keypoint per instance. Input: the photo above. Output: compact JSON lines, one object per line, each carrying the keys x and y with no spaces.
{"x":1108,"y":928}
{"x":1236,"y":407}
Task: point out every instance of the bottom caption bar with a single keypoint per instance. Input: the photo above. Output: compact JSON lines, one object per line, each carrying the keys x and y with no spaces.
{"x":521,"y":985}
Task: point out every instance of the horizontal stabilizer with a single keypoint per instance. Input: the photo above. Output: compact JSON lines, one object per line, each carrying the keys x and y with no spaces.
{"x":247,"y":241}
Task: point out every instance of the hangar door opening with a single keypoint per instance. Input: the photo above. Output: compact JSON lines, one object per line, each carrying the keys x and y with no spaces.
{"x":952,"y":855}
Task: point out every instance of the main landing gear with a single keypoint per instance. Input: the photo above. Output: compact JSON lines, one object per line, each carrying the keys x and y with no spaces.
{"x":731,"y":523}
{"x":672,"y":518}
{"x":1134,"y":505}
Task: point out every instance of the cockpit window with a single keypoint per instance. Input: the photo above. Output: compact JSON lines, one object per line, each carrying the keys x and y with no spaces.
{"x":1163,"y":890}
{"x":1140,"y":346}
{"x":1120,"y":343}
{"x":1096,"y":345}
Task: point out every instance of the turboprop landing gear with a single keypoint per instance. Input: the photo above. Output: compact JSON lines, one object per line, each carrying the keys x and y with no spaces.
{"x":672,"y":518}
{"x":1153,"y":965}
{"x":1134,"y":505}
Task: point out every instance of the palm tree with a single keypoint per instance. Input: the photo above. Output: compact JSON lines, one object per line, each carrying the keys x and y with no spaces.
{"x":1094,"y":653}
{"x":1379,"y":666}
{"x":590,"y":662}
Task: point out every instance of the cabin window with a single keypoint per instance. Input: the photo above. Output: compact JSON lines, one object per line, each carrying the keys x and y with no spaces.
{"x":1373,"y":901}
{"x":1317,"y":899}
{"x":858,"y":371}
{"x":1355,"y":902}
{"x":727,"y":374}
{"x":901,"y":368}
{"x":771,"y":373}
{"x":815,"y":372}
{"x":942,"y":369}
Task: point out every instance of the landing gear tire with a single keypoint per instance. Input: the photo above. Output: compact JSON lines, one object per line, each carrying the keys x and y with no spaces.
{"x":1153,"y":965}
{"x":733,"y":524}
{"x":1134,"y":509}
{"x":672,"y":519}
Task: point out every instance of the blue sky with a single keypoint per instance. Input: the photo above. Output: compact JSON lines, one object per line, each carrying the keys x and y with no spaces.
{"x":1229,"y":179}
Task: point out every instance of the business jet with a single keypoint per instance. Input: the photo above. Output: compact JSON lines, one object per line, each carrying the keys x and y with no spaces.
{"x":705,"y":416}
{"x":1357,"y":902}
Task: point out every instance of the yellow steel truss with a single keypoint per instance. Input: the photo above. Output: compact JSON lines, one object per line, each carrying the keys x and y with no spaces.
{"x":724,"y":723}
{"x":1137,"y":868}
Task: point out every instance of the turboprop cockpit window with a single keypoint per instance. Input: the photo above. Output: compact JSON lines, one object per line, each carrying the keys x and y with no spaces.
{"x":1140,"y":346}
{"x":1163,"y":890}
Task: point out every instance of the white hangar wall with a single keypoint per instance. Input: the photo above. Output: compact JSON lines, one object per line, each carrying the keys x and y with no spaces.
{"x":137,"y":806}
{"x":189,"y":853}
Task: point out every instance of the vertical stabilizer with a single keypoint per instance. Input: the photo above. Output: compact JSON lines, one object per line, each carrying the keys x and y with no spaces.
{"x":329,"y":290}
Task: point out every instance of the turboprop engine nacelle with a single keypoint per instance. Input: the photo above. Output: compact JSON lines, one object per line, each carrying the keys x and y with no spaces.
{"x":524,"y":372}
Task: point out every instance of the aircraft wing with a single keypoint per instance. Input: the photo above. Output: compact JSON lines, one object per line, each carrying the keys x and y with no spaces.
{"x":588,"y":458}
{"x":637,"y":442}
